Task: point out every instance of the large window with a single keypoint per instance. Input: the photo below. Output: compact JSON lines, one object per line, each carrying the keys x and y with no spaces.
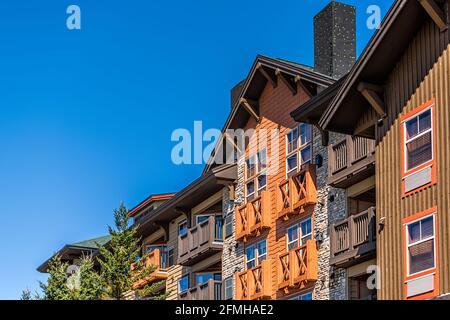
{"x":419,"y":154}
{"x":255,"y":174}
{"x":418,"y":140}
{"x":298,"y":148}
{"x":420,"y":242}
{"x":201,"y":278}
{"x":298,"y":234}
{"x":256,"y":253}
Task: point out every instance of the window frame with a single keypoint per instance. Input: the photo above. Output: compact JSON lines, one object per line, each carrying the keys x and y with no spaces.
{"x":257,"y":190}
{"x":186,"y":275}
{"x":416,"y":112}
{"x":226,"y":224}
{"x":431,"y":271}
{"x":226,"y":286}
{"x":184,"y":221}
{"x":299,"y":148}
{"x":300,"y":236}
{"x":256,"y":254}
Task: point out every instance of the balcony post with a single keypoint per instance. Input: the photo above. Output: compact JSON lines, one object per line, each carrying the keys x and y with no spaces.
{"x":350,"y":151}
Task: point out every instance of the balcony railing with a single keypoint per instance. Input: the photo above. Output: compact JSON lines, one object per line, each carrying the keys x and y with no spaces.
{"x":253,"y":217}
{"x":351,"y":161}
{"x":199,"y":242}
{"x":298,"y":266}
{"x":210,"y":290}
{"x":297,"y":192}
{"x":353,"y":239}
{"x":158,"y":260}
{"x":254,"y":283}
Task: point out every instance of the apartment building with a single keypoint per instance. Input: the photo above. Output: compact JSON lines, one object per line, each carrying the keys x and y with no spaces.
{"x":397,"y":95}
{"x":189,"y":226}
{"x":280,"y":248}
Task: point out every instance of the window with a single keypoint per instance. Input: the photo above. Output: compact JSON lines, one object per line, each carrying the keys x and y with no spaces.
{"x":256,"y":253}
{"x":182,"y":228}
{"x":421,"y":278}
{"x":418,"y":136}
{"x":298,"y":148}
{"x":228,"y":288}
{"x":418,"y":142}
{"x":228,"y":225}
{"x":420,"y":245}
{"x":255,"y":174}
{"x":201,"y":278}
{"x":202,"y":218}
{"x":298,"y":234}
{"x":183,"y":284}
{"x":305,"y":296}
{"x":170,"y":258}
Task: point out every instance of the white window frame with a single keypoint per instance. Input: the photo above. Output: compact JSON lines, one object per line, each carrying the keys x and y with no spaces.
{"x":184,"y":221}
{"x":299,"y":149}
{"x":406,"y":140}
{"x":300,"y":236}
{"x":256,"y":253}
{"x":254,"y":179}
{"x":408,"y":245}
{"x":228,"y":286}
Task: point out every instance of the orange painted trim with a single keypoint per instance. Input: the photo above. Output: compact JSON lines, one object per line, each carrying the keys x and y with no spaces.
{"x":406,"y":278}
{"x":432,"y":163}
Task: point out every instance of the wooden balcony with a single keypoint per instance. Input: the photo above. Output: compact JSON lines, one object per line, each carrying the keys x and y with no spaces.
{"x":353,"y":240}
{"x":350,"y":161}
{"x":254,"y":283}
{"x":210,"y":290}
{"x":297,"y":192}
{"x":253,"y":217}
{"x":298,"y":267}
{"x":158,"y":260}
{"x":199,"y":242}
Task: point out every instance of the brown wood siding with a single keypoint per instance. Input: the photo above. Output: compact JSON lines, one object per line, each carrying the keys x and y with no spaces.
{"x":421,"y":74}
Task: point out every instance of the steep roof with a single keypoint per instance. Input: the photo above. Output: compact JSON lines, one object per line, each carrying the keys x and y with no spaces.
{"x":92,"y":243}
{"x":380,"y":56}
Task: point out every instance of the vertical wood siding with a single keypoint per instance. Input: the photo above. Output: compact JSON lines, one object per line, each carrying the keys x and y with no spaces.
{"x":421,"y":74}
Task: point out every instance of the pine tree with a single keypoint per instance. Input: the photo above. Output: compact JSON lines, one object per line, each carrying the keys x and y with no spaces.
{"x":116,"y":260}
{"x":56,"y":287}
{"x":26,"y":295}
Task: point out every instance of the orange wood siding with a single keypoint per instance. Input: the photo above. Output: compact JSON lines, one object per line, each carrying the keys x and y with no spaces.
{"x":275,"y":107}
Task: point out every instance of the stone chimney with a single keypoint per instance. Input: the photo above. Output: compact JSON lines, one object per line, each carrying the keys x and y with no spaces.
{"x":335,"y":39}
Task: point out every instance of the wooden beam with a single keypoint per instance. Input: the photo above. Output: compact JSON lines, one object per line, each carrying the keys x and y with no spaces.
{"x":250,"y":109}
{"x":298,"y":81}
{"x":370,"y":92}
{"x":187,"y":213}
{"x":230,"y":139}
{"x":435,"y":13}
{"x":165,"y":227}
{"x":266,"y":75}
{"x":286,"y":81}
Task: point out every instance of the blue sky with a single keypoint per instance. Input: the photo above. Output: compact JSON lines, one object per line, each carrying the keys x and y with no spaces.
{"x":86,"y":116}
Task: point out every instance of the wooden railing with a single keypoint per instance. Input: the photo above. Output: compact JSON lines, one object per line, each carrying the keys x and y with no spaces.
{"x":298,"y":266}
{"x":253,"y":216}
{"x":349,"y":156}
{"x":158,"y":260}
{"x":254,"y":283}
{"x":297,"y":192}
{"x":210,"y":290}
{"x":203,"y":238}
{"x":353,"y":237}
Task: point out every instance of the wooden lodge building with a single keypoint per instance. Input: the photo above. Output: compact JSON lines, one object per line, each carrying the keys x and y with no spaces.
{"x":345,"y":197}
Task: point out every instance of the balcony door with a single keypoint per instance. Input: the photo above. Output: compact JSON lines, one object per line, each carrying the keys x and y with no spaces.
{"x":218,"y":223}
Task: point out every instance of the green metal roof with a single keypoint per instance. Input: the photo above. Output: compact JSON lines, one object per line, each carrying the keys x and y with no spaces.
{"x":92,"y":243}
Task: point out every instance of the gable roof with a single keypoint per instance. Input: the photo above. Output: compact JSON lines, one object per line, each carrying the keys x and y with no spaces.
{"x":76,"y":250}
{"x":255,"y":83}
{"x":149,"y":200}
{"x":380,"y":56}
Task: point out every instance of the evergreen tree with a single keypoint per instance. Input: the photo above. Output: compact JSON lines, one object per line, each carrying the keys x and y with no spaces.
{"x":26,"y":295}
{"x":117,"y":258}
{"x":56,"y":287}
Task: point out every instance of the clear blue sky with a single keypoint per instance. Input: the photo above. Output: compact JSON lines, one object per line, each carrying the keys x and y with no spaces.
{"x":86,"y":116}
